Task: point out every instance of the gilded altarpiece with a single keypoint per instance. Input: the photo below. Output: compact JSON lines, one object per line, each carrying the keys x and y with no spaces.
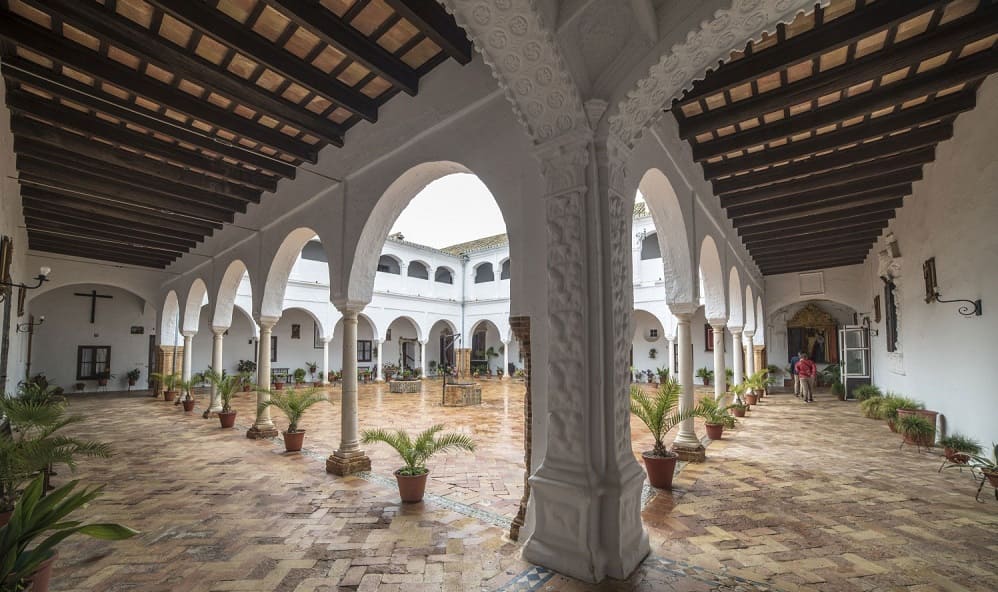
{"x":815,"y":332}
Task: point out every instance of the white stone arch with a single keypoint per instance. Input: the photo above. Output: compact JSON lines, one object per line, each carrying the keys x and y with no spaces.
{"x":760,"y":334}
{"x":712,"y":274}
{"x":498,"y":270}
{"x":169,"y":327}
{"x":670,"y":226}
{"x":480,"y":266}
{"x":412,"y":321}
{"x":272,"y":299}
{"x":249,"y":317}
{"x":449,"y":269}
{"x":422,"y":262}
{"x":736,"y":316}
{"x":398,"y":261}
{"x":749,"y":309}
{"x":315,"y":316}
{"x":225,"y":300}
{"x":197,"y":297}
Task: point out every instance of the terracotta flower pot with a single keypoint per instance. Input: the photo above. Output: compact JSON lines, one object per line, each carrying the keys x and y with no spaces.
{"x":278,"y":386}
{"x":294,"y":440}
{"x":101,"y":382}
{"x":411,"y":487}
{"x":247,"y":388}
{"x":926,"y":441}
{"x":660,"y":469}
{"x":751,"y":399}
{"x":188,"y":404}
{"x":169,"y":395}
{"x":131,"y":382}
{"x":738,"y":411}
{"x":227,"y":418}
{"x":960,"y":458}
{"x":992,"y":478}
{"x":892,"y":425}
{"x":39,"y":581}
{"x":714,"y":430}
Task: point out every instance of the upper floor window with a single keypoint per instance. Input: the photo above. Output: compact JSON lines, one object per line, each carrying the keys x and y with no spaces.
{"x":650,"y":248}
{"x":418,"y":270}
{"x":443,"y":276}
{"x":388,"y":264}
{"x":484,"y":273}
{"x":504,"y":270}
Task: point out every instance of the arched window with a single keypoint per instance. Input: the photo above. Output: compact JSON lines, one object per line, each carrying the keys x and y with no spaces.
{"x":650,"y":248}
{"x":418,"y":270}
{"x":388,"y":264}
{"x":443,"y":276}
{"x":313,"y":251}
{"x":504,"y":270}
{"x":484,"y":273}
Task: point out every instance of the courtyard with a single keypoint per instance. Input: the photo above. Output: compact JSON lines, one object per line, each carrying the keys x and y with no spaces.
{"x":808,"y":497}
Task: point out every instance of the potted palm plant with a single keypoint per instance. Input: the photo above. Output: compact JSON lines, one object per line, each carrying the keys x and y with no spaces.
{"x":313,"y":367}
{"x":104,"y":376}
{"x":169,"y":382}
{"x":415,"y":452}
{"x":25,"y":561}
{"x":226,"y":387}
{"x":659,"y":412}
{"x":187,"y":388}
{"x":133,"y":377}
{"x":299,"y":377}
{"x":294,"y":403}
{"x":716,"y":418}
{"x":705,"y":374}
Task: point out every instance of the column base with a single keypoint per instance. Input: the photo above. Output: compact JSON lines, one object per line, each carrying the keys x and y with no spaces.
{"x":347,"y":464}
{"x":261,"y":432}
{"x":690,"y":453}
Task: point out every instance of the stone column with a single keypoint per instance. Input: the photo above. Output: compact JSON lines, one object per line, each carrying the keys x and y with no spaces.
{"x":264,"y":426}
{"x":720,"y":375}
{"x":188,"y":339}
{"x":505,"y":357}
{"x":748,"y":351}
{"x":349,"y":458}
{"x":216,"y":365}
{"x":587,"y":489}
{"x":325,"y":360}
{"x":379,"y":376}
{"x":687,"y":444}
{"x":422,"y":358}
{"x":672,"y":359}
{"x":737,"y":361}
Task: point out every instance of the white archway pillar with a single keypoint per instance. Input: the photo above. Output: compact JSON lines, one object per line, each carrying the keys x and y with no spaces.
{"x":687,"y":444}
{"x":185,"y":372}
{"x":325,"y":360}
{"x":264,"y":426}
{"x":505,"y":357}
{"x":749,"y":351}
{"x":586,"y":493}
{"x":422,"y":358}
{"x":379,"y":364}
{"x":349,"y":458}
{"x":218,"y":334}
{"x":737,"y":362}
{"x":720,"y":373}
{"x":671,"y":361}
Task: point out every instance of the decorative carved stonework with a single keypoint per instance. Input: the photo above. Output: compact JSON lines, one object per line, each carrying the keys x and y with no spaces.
{"x":690,"y":60}
{"x":812,"y":316}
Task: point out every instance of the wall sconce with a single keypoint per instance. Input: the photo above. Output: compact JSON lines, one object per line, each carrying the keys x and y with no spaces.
{"x":972,"y":307}
{"x":29,"y":327}
{"x":41,"y":278}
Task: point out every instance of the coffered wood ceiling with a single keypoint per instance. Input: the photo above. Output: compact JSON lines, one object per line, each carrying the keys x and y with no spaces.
{"x":812,"y":136}
{"x":142,"y":126}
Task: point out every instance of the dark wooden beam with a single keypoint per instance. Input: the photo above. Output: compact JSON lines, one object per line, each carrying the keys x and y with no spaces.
{"x":961,"y":72}
{"x":112,"y":173}
{"x":842,"y":161}
{"x":845,"y":30}
{"x":875,"y":171}
{"x":62,"y":86}
{"x":844,"y":203}
{"x":20,"y":31}
{"x":816,"y":253}
{"x":120,"y":31}
{"x":33,"y":137}
{"x":840,"y":239}
{"x":40,"y":219}
{"x":807,"y":216}
{"x":953,"y":35}
{"x":87,"y":251}
{"x":89,"y":208}
{"x":848,"y":218}
{"x":47,"y":173}
{"x":830,"y":230}
{"x":943,"y":109}
{"x":325,"y":25}
{"x":57,"y":231}
{"x":812,"y":266}
{"x":214,"y":24}
{"x":82,"y":245}
{"x":430,"y":17}
{"x":67,"y":118}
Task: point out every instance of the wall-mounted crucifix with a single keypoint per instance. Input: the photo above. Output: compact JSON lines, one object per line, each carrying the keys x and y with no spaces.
{"x":93,"y":296}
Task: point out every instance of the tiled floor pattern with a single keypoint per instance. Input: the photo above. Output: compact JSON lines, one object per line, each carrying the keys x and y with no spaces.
{"x":800,"y":497}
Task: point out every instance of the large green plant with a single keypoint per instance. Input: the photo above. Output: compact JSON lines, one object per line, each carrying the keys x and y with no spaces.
{"x":985,"y":464}
{"x":917,"y":429}
{"x":34,"y":445}
{"x":35,"y":517}
{"x":867,"y":391}
{"x":294,"y":403}
{"x":660,"y":412}
{"x":959,"y":443}
{"x":225,"y":386}
{"x":169,"y":381}
{"x":891,"y":403}
{"x":717,"y":414}
{"x":415,"y":452}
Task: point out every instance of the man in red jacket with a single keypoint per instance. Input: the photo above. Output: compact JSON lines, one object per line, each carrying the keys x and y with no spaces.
{"x":807,"y":371}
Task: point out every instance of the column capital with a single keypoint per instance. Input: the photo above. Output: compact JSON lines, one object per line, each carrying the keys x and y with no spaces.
{"x":717,"y":324}
{"x":350,"y":308}
{"x":219,"y":331}
{"x":326,"y":340}
{"x":748,"y":333}
{"x":423,"y":341}
{"x":267,"y":322}
{"x":683,"y":308}
{"x":735,"y":328}
{"x":564,"y":160}
{"x":187,"y":334}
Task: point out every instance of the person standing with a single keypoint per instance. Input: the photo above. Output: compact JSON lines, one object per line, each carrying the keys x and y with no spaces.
{"x":806,"y":371}
{"x":793,"y":372}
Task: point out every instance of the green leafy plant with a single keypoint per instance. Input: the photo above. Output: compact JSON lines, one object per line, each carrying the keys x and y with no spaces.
{"x":872,"y":407}
{"x":867,"y":391}
{"x":186,"y":387}
{"x":299,"y":375}
{"x":716,"y":414}
{"x":838,"y":389}
{"x":985,"y":464}
{"x":891,"y":403}
{"x":169,"y":381}
{"x":312,"y":367}
{"x":917,"y":429}
{"x":660,"y":412}
{"x":705,"y":374}
{"x":294,"y":404}
{"x":133,"y":375}
{"x":663,"y":374}
{"x":415,"y":452}
{"x":830,"y":374}
{"x":34,"y":516}
{"x":226,"y":387}
{"x":246,"y":366}
{"x":959,"y":443}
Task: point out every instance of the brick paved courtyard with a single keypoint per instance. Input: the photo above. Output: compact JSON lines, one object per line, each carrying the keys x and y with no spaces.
{"x":799,"y":497}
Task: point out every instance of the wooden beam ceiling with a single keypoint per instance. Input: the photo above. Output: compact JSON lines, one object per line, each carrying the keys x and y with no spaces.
{"x":142,"y":127}
{"x":813,"y":136}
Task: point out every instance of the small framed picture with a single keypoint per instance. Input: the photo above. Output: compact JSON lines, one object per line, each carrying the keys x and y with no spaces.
{"x":929,"y":273}
{"x":876,"y":308}
{"x":295,"y":331}
{"x":137,"y":330}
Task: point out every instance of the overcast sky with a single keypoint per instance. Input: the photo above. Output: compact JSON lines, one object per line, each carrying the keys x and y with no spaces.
{"x":451,"y":210}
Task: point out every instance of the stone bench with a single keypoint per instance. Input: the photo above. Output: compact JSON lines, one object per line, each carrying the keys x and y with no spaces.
{"x":462,"y":394}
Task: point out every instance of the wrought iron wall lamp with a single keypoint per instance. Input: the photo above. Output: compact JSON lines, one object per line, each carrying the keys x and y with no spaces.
{"x":970,"y":308}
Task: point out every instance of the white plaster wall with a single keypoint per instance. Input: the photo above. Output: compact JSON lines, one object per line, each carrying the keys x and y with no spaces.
{"x":67,"y":325}
{"x":238,"y":344}
{"x":294,"y":353}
